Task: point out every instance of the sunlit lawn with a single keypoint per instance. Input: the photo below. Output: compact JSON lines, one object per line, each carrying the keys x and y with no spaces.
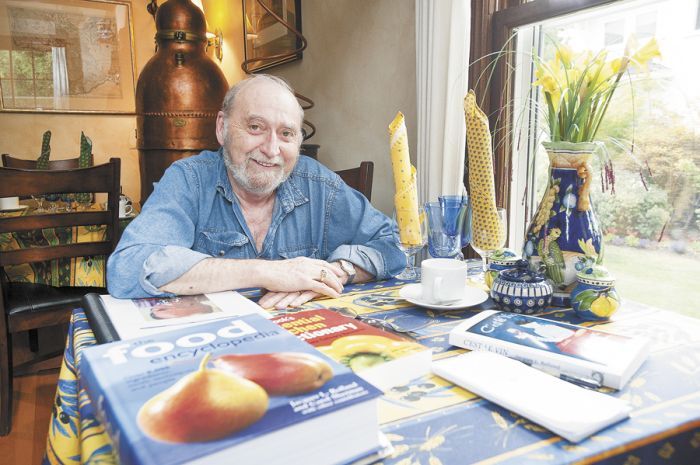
{"x":656,"y":277}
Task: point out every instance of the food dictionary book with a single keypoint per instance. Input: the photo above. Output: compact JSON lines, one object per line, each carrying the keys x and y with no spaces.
{"x":238,"y":390}
{"x":383,"y":358}
{"x":572,"y":352}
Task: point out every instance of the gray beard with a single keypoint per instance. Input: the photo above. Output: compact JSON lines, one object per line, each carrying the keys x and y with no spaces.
{"x":253,"y":185}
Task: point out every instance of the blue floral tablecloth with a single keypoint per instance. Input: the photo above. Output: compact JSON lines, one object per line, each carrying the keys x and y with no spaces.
{"x":432,"y":422}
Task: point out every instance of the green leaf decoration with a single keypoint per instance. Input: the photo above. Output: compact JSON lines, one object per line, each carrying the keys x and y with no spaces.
{"x":85,"y":151}
{"x":84,"y":162}
{"x":42,"y":162}
{"x":585,"y":299}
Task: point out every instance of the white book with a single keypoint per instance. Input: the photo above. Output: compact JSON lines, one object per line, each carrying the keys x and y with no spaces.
{"x":114,"y":319}
{"x":574,"y":353}
{"x":570,"y":411}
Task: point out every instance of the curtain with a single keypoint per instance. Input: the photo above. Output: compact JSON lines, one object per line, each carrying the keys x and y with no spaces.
{"x":442,"y":60}
{"x":60,"y":77}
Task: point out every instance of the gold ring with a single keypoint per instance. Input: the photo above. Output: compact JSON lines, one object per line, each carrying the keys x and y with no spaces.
{"x":324,"y":275}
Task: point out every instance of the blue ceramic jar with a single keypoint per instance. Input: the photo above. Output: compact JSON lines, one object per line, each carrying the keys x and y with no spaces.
{"x":521,"y":290}
{"x":594,"y":297}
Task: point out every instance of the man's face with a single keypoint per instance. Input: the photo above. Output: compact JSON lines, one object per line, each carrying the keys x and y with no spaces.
{"x":178,"y":309}
{"x":261,"y":137}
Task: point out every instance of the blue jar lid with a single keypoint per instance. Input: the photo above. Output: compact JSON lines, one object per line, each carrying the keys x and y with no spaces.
{"x":595,"y":274}
{"x":522,"y":274}
{"x":503,"y":256}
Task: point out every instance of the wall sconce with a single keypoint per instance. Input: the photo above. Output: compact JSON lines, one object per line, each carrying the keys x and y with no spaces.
{"x":215,"y":38}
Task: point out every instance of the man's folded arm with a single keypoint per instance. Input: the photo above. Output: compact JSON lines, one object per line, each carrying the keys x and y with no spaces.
{"x":368,"y":236}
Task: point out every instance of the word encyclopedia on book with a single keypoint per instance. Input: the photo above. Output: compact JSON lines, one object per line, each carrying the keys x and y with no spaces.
{"x":574,"y":353}
{"x":236,"y":390}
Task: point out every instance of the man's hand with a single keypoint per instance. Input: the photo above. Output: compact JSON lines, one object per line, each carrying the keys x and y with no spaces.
{"x":334,"y":275}
{"x":281,"y":300}
{"x":301,"y":274}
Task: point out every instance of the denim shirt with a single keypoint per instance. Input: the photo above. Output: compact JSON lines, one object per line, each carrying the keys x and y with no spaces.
{"x":194,"y":214}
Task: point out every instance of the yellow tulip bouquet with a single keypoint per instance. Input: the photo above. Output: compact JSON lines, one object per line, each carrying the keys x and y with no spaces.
{"x":578,"y":87}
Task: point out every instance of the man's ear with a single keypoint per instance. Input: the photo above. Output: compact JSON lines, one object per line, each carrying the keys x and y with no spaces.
{"x":220,"y":127}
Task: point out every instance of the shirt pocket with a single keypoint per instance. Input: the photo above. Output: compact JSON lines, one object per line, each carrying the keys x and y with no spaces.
{"x":222,"y":244}
{"x":310,"y":251}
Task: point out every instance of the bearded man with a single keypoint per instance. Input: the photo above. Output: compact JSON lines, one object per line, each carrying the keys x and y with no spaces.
{"x":254,"y":214}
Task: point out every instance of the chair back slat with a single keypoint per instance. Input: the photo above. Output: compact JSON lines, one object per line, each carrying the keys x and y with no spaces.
{"x":359,"y":178}
{"x":8,"y":161}
{"x":42,"y":254}
{"x":17,"y":182}
{"x":32,"y":222}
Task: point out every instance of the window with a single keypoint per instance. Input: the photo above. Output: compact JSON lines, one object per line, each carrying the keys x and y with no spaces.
{"x":652,"y":222}
{"x":26,"y":76}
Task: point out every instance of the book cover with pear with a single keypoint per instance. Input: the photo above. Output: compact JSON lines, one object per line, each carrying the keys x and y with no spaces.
{"x":240,"y":390}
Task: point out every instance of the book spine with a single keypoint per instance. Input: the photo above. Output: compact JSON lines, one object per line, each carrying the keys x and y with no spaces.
{"x":99,"y":319}
{"x":547,"y":362}
{"x":107,"y":414}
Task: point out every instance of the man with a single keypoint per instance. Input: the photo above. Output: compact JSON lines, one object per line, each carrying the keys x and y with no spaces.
{"x":254,"y":214}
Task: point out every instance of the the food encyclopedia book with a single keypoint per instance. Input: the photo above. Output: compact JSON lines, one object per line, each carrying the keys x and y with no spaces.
{"x":383,"y":358}
{"x":574,"y":353}
{"x":237,"y":390}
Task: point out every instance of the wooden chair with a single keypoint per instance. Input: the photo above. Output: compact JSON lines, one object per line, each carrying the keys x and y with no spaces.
{"x":359,"y":178}
{"x":8,"y":161}
{"x":28,"y":306}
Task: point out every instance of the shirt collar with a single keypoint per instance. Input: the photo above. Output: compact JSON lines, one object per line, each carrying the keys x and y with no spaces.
{"x":288,"y":194}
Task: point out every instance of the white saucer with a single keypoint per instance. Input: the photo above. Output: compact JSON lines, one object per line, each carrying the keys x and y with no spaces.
{"x":126,"y":217}
{"x":472,"y":296}
{"x":16,"y":209}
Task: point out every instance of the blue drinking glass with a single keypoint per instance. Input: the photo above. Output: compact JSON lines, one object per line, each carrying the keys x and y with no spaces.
{"x":457,"y":217}
{"x":443,"y":233}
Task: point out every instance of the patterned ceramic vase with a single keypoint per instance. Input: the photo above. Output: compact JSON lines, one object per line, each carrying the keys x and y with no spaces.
{"x":521,"y":290}
{"x":564,"y":233}
{"x":501,"y":259}
{"x":594,"y":297}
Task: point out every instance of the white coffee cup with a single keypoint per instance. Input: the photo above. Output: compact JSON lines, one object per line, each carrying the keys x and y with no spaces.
{"x":9,"y":203}
{"x":125,"y":207}
{"x":443,"y":280}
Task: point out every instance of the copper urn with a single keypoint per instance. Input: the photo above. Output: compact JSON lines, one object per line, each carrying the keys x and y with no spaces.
{"x":178,"y":94}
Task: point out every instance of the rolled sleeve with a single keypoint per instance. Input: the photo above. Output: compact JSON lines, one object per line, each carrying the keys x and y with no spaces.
{"x":365,"y":257}
{"x":166,"y":265}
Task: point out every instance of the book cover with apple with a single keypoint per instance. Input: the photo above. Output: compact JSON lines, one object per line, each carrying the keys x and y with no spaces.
{"x":383,"y":358}
{"x":238,"y":390}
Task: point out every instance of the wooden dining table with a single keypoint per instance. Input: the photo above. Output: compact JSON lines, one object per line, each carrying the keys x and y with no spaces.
{"x":430,"y":421}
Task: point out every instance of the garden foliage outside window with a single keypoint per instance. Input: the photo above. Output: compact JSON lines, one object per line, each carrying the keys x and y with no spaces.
{"x":651,"y":222}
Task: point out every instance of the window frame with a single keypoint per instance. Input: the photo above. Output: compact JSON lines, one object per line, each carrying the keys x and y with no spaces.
{"x":493,"y":22}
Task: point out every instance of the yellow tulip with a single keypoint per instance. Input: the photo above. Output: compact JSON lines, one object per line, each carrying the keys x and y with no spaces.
{"x":563,"y":55}
{"x":578,"y":87}
{"x":646,"y":53}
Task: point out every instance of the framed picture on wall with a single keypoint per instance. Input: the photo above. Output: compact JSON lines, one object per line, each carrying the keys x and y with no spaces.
{"x":66,"y":56}
{"x":272,"y":31}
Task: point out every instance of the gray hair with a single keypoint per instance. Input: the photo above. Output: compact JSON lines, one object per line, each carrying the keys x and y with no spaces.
{"x":230,"y":98}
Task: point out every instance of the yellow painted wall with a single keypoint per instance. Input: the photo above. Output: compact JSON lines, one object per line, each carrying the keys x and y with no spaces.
{"x":114,"y":135}
{"x":359,"y":68}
